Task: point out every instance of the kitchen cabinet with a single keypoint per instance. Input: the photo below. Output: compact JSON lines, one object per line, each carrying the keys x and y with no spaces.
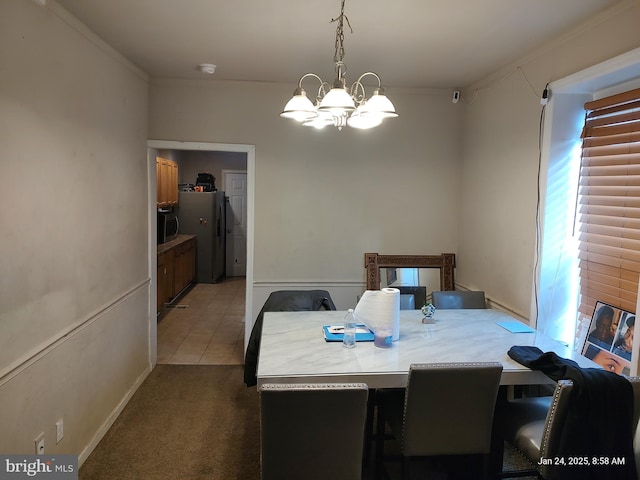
{"x":166,"y":277}
{"x":176,"y":268}
{"x":185,"y":265}
{"x":167,"y":182}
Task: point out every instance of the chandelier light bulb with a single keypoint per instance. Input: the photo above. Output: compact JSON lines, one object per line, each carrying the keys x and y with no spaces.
{"x":363,"y":119}
{"x":322,"y":120}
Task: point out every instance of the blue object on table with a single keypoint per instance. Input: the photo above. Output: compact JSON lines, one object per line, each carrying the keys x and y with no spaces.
{"x":516,"y":327}
{"x":333,"y":333}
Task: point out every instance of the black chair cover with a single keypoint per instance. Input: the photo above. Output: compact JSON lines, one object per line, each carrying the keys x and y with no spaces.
{"x":281,"y":301}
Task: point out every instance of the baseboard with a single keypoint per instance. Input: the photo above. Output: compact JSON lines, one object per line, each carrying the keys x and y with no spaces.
{"x":112,"y":418}
{"x":502,"y":308}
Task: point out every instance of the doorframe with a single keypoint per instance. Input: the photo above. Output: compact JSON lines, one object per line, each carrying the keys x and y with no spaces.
{"x":250,"y":150}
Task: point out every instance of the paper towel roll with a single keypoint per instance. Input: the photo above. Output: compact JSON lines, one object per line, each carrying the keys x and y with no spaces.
{"x":380,"y":308}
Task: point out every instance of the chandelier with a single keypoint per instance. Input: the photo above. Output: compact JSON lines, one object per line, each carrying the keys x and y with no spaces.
{"x":335,"y":104}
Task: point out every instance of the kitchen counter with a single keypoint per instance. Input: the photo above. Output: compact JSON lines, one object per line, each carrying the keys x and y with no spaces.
{"x":163,"y":247}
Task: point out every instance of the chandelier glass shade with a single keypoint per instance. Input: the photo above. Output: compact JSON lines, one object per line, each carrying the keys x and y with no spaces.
{"x":299,"y":107}
{"x":336,"y":104}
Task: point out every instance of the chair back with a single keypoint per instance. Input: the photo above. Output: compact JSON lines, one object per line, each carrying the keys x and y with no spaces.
{"x":407,"y":301}
{"x":557,"y":414}
{"x":459,"y":299}
{"x":281,"y":301}
{"x":449,"y":408}
{"x":312,"y":431}
{"x":551,"y":435}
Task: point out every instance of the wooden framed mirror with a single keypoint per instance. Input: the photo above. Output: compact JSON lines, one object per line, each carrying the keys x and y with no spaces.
{"x":446,"y":262}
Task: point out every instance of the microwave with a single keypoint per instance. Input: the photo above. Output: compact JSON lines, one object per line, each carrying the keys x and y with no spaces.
{"x":168,"y":226}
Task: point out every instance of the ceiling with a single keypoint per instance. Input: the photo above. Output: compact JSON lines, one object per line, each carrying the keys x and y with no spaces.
{"x":409,"y":43}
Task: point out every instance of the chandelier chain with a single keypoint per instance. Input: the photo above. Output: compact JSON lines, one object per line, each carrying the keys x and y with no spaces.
{"x":338,"y":56}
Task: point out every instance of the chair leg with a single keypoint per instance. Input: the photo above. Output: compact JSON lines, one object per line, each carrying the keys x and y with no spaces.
{"x":379,"y":453}
{"x":486,"y":463}
{"x":497,"y":441}
{"x":404,"y":469}
{"x":368,"y":433}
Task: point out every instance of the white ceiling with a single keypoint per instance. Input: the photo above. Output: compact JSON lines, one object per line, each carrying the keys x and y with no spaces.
{"x":409,"y":43}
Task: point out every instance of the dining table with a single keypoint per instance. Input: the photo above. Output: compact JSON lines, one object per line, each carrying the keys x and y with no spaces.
{"x":293,"y":348}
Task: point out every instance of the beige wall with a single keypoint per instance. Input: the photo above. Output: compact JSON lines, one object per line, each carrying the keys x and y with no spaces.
{"x":441,"y":177}
{"x":324,"y":198}
{"x":500,"y":156}
{"x":74,"y":277}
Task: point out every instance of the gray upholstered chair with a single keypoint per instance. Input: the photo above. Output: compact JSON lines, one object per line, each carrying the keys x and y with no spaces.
{"x":447,"y":409}
{"x":407,"y":301}
{"x":534,"y":426}
{"x":458,"y":299}
{"x":312,"y":431}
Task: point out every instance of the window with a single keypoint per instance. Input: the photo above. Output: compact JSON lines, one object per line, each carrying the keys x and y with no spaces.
{"x":609,"y":204}
{"x":556,"y":299}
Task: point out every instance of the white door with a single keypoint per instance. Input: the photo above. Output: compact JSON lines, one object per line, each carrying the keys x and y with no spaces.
{"x":236,"y":190}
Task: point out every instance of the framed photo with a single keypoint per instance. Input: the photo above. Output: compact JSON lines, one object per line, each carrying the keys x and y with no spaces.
{"x":609,"y":341}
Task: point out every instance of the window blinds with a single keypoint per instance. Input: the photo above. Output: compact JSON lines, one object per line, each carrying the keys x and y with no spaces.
{"x":609,"y":203}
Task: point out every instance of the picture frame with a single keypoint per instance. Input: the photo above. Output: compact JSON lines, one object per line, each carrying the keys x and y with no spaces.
{"x":609,"y":341}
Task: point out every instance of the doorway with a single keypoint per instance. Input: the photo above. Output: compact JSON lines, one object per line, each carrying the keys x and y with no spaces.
{"x":249,"y":150}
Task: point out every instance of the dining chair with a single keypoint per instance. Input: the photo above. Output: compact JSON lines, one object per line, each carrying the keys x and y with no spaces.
{"x":458,"y":299}
{"x":446,"y":409}
{"x":312,"y":431}
{"x":281,"y":301}
{"x":534,"y":426}
{"x":407,"y":301}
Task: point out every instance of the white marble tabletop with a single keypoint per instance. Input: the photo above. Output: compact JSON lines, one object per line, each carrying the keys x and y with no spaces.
{"x":293,"y":349}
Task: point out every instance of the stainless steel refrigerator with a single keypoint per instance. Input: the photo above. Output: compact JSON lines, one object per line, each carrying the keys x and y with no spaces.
{"x":203,"y":214}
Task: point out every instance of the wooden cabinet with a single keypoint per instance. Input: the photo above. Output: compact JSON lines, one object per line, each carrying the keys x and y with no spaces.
{"x":166,"y":277}
{"x":167,"y":182}
{"x":185,"y":265}
{"x":176,"y":268}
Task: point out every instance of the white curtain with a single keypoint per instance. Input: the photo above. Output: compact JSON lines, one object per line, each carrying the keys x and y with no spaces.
{"x":557,"y":287}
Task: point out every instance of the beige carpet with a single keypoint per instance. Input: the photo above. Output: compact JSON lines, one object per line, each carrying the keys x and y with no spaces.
{"x":195,"y":422}
{"x":184,"y":422}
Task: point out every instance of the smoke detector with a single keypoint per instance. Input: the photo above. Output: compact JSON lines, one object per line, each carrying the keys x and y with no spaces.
{"x":207,"y":68}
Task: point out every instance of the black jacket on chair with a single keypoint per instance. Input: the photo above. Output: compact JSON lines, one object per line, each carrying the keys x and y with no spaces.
{"x":281,"y":301}
{"x":599,"y":423}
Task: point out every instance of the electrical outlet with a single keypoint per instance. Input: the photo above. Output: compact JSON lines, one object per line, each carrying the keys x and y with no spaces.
{"x":39,"y":441}
{"x":59,"y":430}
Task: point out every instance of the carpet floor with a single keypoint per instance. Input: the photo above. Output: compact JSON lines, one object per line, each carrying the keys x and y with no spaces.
{"x":185,"y":422}
{"x":195,"y":422}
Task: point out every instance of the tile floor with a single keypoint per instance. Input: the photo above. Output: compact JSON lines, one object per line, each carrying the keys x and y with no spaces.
{"x":209,"y":330}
